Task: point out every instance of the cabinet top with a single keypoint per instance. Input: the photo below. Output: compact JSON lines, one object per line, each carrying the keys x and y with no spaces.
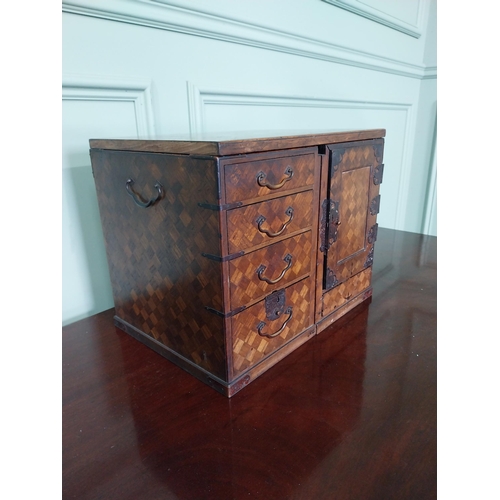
{"x":221,"y":144}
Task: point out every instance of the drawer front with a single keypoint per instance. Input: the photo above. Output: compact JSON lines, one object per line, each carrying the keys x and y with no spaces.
{"x":263,"y":271}
{"x":244,"y":181}
{"x":347,"y":290}
{"x":255,"y":336}
{"x":263,"y":222}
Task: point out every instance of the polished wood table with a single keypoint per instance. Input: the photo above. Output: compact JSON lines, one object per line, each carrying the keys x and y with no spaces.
{"x":349,"y":415}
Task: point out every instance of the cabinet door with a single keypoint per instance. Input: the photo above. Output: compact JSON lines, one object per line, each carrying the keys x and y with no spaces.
{"x":355,"y":173}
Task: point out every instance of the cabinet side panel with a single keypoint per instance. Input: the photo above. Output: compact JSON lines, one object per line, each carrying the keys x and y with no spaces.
{"x":162,"y":284}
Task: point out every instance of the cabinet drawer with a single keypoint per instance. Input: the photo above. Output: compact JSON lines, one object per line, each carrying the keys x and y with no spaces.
{"x":347,"y":290}
{"x":259,"y":273}
{"x":263,"y":222}
{"x":259,"y":330}
{"x":244,"y":181}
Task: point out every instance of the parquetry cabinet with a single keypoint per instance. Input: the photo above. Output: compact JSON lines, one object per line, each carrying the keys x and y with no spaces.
{"x":226,"y":254}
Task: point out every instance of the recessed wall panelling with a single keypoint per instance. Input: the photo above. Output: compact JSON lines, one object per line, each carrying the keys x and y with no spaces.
{"x":91,"y":108}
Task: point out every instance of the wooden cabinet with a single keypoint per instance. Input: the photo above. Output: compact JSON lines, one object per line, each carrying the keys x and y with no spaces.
{"x":227,"y":254}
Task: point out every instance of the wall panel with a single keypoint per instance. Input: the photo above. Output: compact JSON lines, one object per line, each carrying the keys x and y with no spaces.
{"x":92,"y":107}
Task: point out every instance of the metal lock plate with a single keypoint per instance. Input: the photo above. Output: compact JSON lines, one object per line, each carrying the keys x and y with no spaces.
{"x":275,"y":304}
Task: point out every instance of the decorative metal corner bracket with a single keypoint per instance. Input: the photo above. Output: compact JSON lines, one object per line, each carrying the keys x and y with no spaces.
{"x":227,"y":315}
{"x":378,"y":174}
{"x":218,"y":258}
{"x":220,"y":208}
{"x":378,"y":150}
{"x":331,"y":280}
{"x":369,"y":259}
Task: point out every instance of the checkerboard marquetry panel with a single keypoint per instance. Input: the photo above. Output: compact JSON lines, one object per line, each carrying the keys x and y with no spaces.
{"x":242,"y":223}
{"x":249,"y":347}
{"x":347,"y":290}
{"x":351,"y":232}
{"x":161,"y":282}
{"x":245,"y":284}
{"x":241,"y":178}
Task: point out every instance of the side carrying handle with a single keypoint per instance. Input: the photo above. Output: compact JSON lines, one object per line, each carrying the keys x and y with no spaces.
{"x":261,"y":176}
{"x":261,"y":325}
{"x":137,"y":199}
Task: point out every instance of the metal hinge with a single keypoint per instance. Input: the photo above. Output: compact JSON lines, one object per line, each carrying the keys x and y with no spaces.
{"x":375,"y":205}
{"x":329,"y":223}
{"x":372,"y":234}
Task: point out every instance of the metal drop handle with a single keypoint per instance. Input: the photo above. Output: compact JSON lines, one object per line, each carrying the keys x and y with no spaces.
{"x":261,"y":325}
{"x":261,"y":219}
{"x":261,"y":176}
{"x":262,"y":268}
{"x":137,"y":198}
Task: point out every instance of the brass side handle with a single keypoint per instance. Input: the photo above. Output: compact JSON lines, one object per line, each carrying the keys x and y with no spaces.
{"x":261,"y":219}
{"x":137,"y":199}
{"x":262,"y":268}
{"x":261,"y":176}
{"x":261,"y":325}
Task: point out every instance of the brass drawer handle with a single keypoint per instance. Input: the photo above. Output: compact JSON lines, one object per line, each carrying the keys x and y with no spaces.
{"x":262,"y":268}
{"x":262,"y":182}
{"x":261,"y":219}
{"x":261,"y":325}
{"x":136,"y":198}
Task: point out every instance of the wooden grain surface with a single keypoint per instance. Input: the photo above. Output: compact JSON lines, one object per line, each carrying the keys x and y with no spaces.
{"x":159,"y":250}
{"x":269,"y":221}
{"x":351,"y":414}
{"x":235,"y":143}
{"x":280,"y":174}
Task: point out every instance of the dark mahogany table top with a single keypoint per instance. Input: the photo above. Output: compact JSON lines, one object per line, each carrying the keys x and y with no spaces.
{"x":349,"y":415}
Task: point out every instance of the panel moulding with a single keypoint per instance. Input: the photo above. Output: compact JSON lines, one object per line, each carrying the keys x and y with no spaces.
{"x":431,"y":199}
{"x":381,"y":17}
{"x":104,"y":88}
{"x":162,"y":14}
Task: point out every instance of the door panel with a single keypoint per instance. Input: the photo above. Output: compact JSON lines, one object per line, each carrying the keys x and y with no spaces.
{"x":355,"y":187}
{"x":353,"y":203}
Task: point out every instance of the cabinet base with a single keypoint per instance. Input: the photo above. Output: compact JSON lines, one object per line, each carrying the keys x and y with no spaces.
{"x":225,"y":388}
{"x":188,"y":366}
{"x":231,"y":388}
{"x":270,"y":361}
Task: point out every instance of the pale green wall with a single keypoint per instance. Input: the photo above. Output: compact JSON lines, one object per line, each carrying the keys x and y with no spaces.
{"x":135,"y":68}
